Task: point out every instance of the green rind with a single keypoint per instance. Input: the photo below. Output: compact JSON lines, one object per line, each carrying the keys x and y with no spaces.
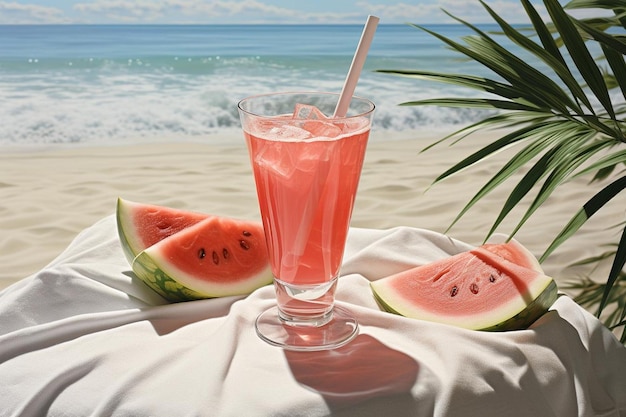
{"x":382,"y":303}
{"x":146,"y":269}
{"x":120,"y":213}
{"x":533,"y":311}
{"x":537,"y":308}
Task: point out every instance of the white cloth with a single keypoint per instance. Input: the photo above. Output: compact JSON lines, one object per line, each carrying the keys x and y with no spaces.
{"x":83,"y":337}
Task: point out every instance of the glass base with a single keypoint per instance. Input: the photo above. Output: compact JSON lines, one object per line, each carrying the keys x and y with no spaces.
{"x":338,"y":331}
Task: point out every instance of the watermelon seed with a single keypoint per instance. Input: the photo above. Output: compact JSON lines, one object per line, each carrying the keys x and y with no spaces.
{"x":163,"y":226}
{"x":246,"y":233}
{"x":245,"y":245}
{"x":225,"y":253}
{"x":492,"y":278}
{"x":474,"y":288}
{"x":216,"y":258}
{"x":454,"y":291}
{"x":201,"y":253}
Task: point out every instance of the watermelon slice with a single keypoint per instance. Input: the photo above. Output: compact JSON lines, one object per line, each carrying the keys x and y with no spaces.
{"x":494,"y":287}
{"x":215,"y":257}
{"x":140,"y":226}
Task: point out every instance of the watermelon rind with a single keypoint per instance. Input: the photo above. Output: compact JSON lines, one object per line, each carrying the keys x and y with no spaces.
{"x":151,"y":274}
{"x":533,"y":311}
{"x":126,"y":230}
{"x":514,"y":314}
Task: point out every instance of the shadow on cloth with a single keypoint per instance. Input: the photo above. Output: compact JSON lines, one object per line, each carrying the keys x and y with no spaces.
{"x":358,"y":373}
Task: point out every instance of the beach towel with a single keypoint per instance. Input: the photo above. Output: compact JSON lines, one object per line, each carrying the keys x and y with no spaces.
{"x":84,"y":337}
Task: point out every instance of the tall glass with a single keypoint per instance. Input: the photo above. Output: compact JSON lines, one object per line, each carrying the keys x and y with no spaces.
{"x":306,"y":167}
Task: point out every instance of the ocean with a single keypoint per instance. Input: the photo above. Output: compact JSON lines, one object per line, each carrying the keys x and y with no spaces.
{"x":109,"y":84}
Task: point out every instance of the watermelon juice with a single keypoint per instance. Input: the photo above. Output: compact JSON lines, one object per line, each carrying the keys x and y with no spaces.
{"x":306,"y":173}
{"x":308,"y":190}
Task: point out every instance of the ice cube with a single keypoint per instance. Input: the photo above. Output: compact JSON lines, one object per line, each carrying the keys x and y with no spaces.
{"x":282,"y":161}
{"x":306,"y":111}
{"x":289,"y":132}
{"x":355,"y":124}
{"x":316,"y":122}
{"x":321,"y":129}
{"x":272,"y":159}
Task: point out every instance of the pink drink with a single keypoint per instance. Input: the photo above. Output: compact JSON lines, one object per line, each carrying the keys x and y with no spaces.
{"x":307,"y":169}
{"x":306,"y":189}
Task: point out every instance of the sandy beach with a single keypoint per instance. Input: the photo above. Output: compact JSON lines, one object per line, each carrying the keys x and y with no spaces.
{"x":48,"y":196}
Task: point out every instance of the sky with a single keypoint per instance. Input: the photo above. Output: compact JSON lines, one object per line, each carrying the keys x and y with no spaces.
{"x":251,"y":11}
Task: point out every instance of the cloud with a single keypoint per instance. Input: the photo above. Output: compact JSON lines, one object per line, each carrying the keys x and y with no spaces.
{"x":404,"y":11}
{"x":205,"y":11}
{"x":218,"y":9}
{"x":256,"y":11}
{"x":433,"y":11}
{"x":124,"y":11}
{"x":17,"y":13}
{"x":199,"y":11}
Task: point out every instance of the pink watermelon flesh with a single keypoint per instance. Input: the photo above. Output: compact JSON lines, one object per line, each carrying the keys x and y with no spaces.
{"x":493,"y":287}
{"x":216,"y":257}
{"x":515,"y":252}
{"x":142,"y":225}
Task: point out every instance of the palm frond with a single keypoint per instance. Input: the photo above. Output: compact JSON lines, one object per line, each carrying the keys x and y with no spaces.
{"x":580,"y":54}
{"x":533,"y":86}
{"x":589,"y":293}
{"x":594,"y":4}
{"x":476,"y":103}
{"x":609,"y":162}
{"x":557,"y":166}
{"x":588,"y":209}
{"x":478,"y":83}
{"x":550,"y":55}
{"x":616,"y":62}
{"x":617,"y":6}
{"x":520,"y":159}
{"x":618,"y":264}
{"x":614,"y":43}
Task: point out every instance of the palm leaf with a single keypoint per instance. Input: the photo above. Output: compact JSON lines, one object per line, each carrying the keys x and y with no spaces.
{"x":617,"y":6}
{"x":476,"y":103}
{"x":551,"y":55}
{"x":560,"y":165}
{"x":478,"y":83}
{"x":616,"y":62}
{"x":604,"y":39}
{"x":594,"y":4}
{"x":516,"y":70}
{"x":589,"y":209}
{"x":544,"y":33}
{"x":590,"y":293}
{"x":618,"y":265}
{"x":580,"y":54}
{"x":520,"y":159}
{"x":607,"y":161}
{"x":512,"y":120}
{"x":537,"y":92}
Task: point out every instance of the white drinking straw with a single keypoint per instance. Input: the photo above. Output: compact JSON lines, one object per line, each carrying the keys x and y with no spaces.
{"x":357,"y":65}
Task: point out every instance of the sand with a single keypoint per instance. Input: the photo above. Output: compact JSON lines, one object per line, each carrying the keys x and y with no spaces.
{"x":48,"y":196}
